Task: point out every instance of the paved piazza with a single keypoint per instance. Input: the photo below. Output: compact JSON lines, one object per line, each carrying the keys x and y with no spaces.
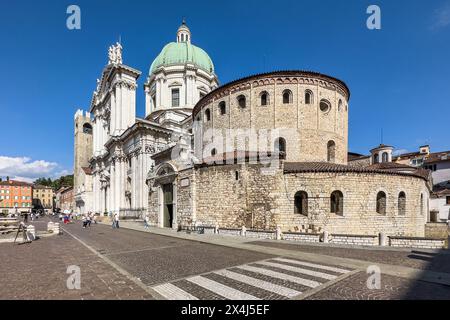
{"x":131,"y":263}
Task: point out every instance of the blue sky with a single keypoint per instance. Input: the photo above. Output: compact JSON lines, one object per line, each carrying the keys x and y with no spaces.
{"x":399,"y":76}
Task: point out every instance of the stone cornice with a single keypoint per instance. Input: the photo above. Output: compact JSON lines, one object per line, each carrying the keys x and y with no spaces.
{"x":276,"y":77}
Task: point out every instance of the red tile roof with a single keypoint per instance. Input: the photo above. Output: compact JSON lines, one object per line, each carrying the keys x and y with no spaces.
{"x":317,"y":167}
{"x":15,"y":183}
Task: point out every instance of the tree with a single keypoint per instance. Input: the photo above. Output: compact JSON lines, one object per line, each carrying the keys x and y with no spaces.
{"x":64,"y":181}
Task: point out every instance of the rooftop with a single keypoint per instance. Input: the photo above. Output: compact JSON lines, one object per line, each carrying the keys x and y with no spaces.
{"x":15,"y":183}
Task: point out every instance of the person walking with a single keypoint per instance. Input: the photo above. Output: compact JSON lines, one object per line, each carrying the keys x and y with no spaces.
{"x":116,"y":220}
{"x":84,"y":220}
{"x":89,"y":219}
{"x":146,"y":220}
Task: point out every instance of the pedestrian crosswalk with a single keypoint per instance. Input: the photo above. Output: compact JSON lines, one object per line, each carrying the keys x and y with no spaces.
{"x":277,"y":278}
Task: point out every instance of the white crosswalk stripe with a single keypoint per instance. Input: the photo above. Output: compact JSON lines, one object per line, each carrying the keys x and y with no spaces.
{"x":253,"y":277}
{"x":279,"y":275}
{"x":299,"y":270}
{"x":171,"y":292}
{"x":286,"y":292}
{"x":221,"y":289}
{"x":313,"y":265}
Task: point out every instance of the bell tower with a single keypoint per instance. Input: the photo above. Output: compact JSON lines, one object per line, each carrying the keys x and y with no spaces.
{"x":83,"y":148}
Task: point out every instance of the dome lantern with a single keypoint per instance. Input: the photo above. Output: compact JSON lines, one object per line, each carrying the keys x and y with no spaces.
{"x":183,"y":33}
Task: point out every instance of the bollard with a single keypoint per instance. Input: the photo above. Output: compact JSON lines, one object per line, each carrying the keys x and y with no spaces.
{"x":243,"y":231}
{"x":56,"y":228}
{"x":382,"y":239}
{"x":278,"y":233}
{"x":216,"y":229}
{"x":325,"y":237}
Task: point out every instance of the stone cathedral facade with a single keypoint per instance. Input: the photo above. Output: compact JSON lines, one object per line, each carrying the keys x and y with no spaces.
{"x":265,"y":151}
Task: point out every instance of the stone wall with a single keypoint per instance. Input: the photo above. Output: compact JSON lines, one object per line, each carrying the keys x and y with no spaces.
{"x":412,"y":242}
{"x":265,"y":201}
{"x":359,"y":209}
{"x":305,"y":127}
{"x":260,"y":234}
{"x":302,"y":237}
{"x":437,"y":230}
{"x":358,"y":240}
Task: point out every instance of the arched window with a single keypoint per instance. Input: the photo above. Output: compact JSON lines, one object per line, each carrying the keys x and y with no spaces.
{"x":287,"y":96}
{"x":301,"y":203}
{"x":87,"y":128}
{"x":280,"y":145}
{"x":309,"y":98}
{"x":213,"y":152}
{"x":384,"y":157}
{"x":401,"y":204}
{"x":337,"y":202}
{"x":241,"y":101}
{"x":340,"y":105}
{"x":376,"y":158}
{"x":325,"y":105}
{"x":264,"y":98}
{"x":331,"y":151}
{"x":222,"y":108}
{"x":381,"y":203}
{"x":207,"y":115}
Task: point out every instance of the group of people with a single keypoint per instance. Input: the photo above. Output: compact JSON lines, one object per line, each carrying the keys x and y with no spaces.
{"x":87,"y":219}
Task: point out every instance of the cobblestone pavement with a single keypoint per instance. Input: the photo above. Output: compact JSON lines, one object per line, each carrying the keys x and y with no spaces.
{"x":38,"y":271}
{"x":414,"y":258}
{"x":130,"y":264}
{"x":392,"y":288}
{"x":156,"y":259}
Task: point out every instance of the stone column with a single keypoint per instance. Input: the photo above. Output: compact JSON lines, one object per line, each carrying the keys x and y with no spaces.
{"x":112,"y":187}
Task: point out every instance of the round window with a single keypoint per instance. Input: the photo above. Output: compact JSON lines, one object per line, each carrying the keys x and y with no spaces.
{"x":325,"y":106}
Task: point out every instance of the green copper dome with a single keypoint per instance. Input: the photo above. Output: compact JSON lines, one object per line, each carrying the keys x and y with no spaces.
{"x":181,"y":53}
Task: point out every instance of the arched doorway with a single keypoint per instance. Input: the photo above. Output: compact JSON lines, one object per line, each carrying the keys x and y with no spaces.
{"x":165,"y":183}
{"x":167,"y":217}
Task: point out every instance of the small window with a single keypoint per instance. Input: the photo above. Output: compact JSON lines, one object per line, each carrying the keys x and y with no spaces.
{"x":301,"y":203}
{"x":175,"y":97}
{"x":280,"y":147}
{"x":385,"y":157}
{"x":287,"y":96}
{"x":340,"y":105}
{"x":241,"y":101}
{"x":337,"y":202}
{"x":401,"y":204}
{"x":236,"y":175}
{"x":421,"y":204}
{"x":376,"y":158}
{"x":381,"y":203}
{"x":87,"y":128}
{"x":448,"y":200}
{"x":308,"y":97}
{"x":264,"y":98}
{"x":213,"y":152}
{"x":207,"y":115}
{"x":325,"y":106}
{"x":331,"y":151}
{"x":222,"y":108}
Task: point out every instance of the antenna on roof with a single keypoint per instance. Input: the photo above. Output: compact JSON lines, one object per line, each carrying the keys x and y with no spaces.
{"x":120,"y":39}
{"x":381,"y":136}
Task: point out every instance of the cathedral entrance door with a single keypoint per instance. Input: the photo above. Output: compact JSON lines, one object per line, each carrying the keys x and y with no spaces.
{"x":168,"y":205}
